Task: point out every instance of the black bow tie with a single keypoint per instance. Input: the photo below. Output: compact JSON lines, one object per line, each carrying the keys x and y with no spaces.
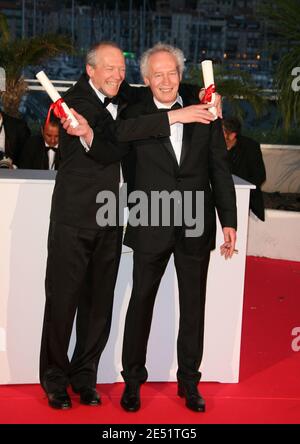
{"x":108,"y":100}
{"x":48,"y":148}
{"x":176,"y":105}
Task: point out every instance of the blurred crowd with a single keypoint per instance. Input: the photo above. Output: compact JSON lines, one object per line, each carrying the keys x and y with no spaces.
{"x":20,"y":149}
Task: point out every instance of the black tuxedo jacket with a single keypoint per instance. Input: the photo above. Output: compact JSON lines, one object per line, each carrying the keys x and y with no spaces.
{"x":246,"y":161}
{"x":203,"y":167}
{"x":82,"y":175}
{"x":16,"y":134}
{"x":35,"y":156}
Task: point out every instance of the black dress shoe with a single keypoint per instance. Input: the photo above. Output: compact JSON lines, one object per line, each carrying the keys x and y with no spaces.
{"x":131,"y":401}
{"x":59,"y":400}
{"x":88,"y":396}
{"x":193,"y":399}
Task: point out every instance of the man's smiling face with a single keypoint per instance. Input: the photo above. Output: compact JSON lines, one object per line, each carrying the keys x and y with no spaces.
{"x":163,"y":77}
{"x":109,"y":70}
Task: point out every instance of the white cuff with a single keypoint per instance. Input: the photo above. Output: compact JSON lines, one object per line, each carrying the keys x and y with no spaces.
{"x":85,"y":145}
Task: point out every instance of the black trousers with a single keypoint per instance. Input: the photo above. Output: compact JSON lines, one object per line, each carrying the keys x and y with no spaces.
{"x":82,"y":268}
{"x":147,"y":273}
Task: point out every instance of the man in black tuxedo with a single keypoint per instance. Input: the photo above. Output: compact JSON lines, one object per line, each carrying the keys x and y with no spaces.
{"x":41,"y":151}
{"x":13,"y":134}
{"x":246,"y":161}
{"x":83,"y":257}
{"x":193,"y":159}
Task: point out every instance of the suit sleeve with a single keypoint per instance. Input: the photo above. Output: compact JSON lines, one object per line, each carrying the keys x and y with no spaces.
{"x":118,"y":135}
{"x":131,"y":129}
{"x":221,"y":179}
{"x":111,"y":137}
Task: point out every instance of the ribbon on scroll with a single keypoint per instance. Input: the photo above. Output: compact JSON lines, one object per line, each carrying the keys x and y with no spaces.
{"x":57,"y":109}
{"x":209,"y":84}
{"x":207,"y":98}
{"x":59,"y":106}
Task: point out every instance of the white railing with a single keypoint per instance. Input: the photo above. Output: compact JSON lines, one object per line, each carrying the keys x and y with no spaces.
{"x":60,"y":85}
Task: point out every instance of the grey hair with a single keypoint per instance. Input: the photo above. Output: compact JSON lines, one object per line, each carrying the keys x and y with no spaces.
{"x":162,"y":47}
{"x":92,"y":52}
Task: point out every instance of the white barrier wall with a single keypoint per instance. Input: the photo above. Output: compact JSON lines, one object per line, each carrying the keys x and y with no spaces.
{"x":278,"y":236}
{"x":23,"y":241}
{"x":282,"y":164}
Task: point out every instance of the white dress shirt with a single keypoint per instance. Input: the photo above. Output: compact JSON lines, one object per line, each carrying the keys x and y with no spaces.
{"x":111,"y":108}
{"x":176,"y":129}
{"x":51,"y":157}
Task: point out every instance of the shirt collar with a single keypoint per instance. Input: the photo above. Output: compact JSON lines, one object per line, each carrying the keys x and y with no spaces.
{"x":163,"y":105}
{"x":99,"y":93}
{"x":51,"y":146}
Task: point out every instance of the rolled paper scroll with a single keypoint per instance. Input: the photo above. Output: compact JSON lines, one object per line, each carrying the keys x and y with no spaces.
{"x":209,"y":85}
{"x":59,"y":107}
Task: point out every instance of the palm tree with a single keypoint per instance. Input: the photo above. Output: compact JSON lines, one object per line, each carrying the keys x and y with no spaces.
{"x":17,"y":54}
{"x":284,"y":18}
{"x":233,"y":87}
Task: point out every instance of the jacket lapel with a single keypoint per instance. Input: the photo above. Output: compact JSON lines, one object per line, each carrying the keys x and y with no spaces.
{"x":169,"y":147}
{"x":186,"y":141}
{"x":166,"y":142}
{"x":88,"y":91}
{"x":188,"y":129}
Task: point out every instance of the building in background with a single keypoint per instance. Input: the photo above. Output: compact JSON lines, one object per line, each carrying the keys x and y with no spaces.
{"x":226,"y":31}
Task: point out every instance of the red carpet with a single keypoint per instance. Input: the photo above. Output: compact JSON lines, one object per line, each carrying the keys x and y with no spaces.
{"x":269,"y":388}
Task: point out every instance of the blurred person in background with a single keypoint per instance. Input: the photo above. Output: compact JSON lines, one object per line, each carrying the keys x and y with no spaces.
{"x":41,"y":151}
{"x":13,"y":135}
{"x":246,"y":161}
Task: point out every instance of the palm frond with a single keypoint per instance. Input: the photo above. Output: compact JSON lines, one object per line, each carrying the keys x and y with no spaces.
{"x":234,"y":86}
{"x":34,"y":51}
{"x":11,"y":97}
{"x":284,"y":16}
{"x":4,"y":30}
{"x":18,"y":54}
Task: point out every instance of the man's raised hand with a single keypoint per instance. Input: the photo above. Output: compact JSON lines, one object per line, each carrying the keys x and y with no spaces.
{"x":193,"y":113}
{"x":82,"y":130}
